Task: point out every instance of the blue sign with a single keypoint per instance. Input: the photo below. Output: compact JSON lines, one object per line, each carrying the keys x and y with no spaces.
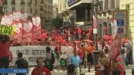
{"x":120,"y":22}
{"x":70,"y":2}
{"x":14,"y":70}
{"x":120,"y":30}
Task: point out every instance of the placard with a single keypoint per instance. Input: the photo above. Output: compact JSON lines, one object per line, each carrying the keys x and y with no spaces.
{"x":8,"y":30}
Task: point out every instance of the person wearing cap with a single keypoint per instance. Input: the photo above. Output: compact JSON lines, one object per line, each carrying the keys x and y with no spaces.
{"x":97,"y":70}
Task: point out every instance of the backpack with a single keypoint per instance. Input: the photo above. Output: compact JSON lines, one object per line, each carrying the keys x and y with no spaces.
{"x":23,"y":64}
{"x":52,"y":59}
{"x":63,"y":62}
{"x":48,"y":64}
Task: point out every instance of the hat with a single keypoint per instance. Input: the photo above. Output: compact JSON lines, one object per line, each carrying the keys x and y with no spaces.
{"x":97,"y":66}
{"x":118,"y":59}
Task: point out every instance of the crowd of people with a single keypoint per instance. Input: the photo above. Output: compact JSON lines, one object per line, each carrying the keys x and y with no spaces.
{"x":82,"y":47}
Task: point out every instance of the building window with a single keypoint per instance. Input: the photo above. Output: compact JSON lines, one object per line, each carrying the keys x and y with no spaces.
{"x":30,"y":1}
{"x":22,"y":9}
{"x":36,"y":11}
{"x":30,"y":10}
{"x":22,"y":1}
{"x":100,"y":30}
{"x":13,"y":8}
{"x":4,"y":1}
{"x":41,"y":1}
{"x":35,"y":2}
{"x":5,"y":9}
{"x":13,"y":2}
{"x":110,"y":29}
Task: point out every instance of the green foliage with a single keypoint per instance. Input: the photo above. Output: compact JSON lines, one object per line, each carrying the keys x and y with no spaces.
{"x":57,"y":22}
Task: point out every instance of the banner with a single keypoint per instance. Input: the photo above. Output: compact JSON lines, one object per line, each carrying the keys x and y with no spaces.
{"x":8,"y":30}
{"x":31,"y":53}
{"x":115,"y":45}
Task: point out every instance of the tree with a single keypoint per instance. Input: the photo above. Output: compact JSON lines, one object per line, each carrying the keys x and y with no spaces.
{"x":57,"y":22}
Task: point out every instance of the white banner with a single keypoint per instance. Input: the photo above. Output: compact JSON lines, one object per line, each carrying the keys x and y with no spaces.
{"x":31,"y":53}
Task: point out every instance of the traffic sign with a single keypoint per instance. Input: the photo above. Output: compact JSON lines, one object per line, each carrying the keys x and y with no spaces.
{"x":120,"y":30}
{"x":120,"y":22}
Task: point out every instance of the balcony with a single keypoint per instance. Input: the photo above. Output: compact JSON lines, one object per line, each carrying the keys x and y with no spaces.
{"x":22,"y":3}
{"x":29,"y":3}
{"x":13,"y":2}
{"x":4,"y":2}
{"x":41,"y":9}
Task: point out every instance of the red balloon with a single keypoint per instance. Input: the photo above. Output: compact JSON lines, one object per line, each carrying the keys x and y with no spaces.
{"x":110,"y":38}
{"x":21,"y":29}
{"x":104,"y":28}
{"x":88,"y":34}
{"x":90,"y":29}
{"x":74,"y":32}
{"x":79,"y":31}
{"x":106,"y":37}
{"x":110,"y":42}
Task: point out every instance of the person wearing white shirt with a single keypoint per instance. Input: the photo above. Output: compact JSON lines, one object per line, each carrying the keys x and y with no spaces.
{"x":64,"y":56}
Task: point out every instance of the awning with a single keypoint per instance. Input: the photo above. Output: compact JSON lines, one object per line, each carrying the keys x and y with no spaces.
{"x":79,"y":3}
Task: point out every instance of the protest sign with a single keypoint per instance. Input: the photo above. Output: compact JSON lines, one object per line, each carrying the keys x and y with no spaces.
{"x":8,"y":30}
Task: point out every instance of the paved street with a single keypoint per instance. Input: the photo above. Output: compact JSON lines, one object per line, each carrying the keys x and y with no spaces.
{"x":57,"y":72}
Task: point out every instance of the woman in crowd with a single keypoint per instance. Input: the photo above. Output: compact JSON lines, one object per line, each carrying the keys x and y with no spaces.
{"x":103,"y":62}
{"x":4,"y":50}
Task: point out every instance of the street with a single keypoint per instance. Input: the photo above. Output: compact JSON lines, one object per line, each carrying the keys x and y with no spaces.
{"x":61,"y":72}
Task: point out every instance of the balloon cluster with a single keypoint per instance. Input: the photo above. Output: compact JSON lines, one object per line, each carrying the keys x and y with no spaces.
{"x":108,"y":39}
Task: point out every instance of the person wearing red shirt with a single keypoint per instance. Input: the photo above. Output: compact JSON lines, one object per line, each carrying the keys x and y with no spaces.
{"x":40,"y":69}
{"x":98,"y":72}
{"x":4,"y":51}
{"x":80,"y":52}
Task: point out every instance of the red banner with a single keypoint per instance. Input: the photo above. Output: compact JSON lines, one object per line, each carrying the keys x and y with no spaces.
{"x":115,"y":45}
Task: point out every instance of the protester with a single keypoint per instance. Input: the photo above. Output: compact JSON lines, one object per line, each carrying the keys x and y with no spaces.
{"x":115,"y":68}
{"x":97,"y":70}
{"x":128,"y":47}
{"x":64,"y":59}
{"x":4,"y":50}
{"x":21,"y":63}
{"x":71,"y":70}
{"x":122,"y":62}
{"x":75,"y":60}
{"x":102,"y":61}
{"x":40,"y":69}
{"x":50,"y":60}
{"x":132,"y":71}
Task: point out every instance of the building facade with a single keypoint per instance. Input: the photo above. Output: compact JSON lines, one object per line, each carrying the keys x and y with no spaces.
{"x":82,"y":12}
{"x":129,"y":5}
{"x":42,"y":8}
{"x":103,"y":12}
{"x":64,"y":12}
{"x":55,"y":10}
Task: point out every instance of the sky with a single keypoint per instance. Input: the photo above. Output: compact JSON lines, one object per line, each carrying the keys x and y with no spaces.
{"x":55,"y":1}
